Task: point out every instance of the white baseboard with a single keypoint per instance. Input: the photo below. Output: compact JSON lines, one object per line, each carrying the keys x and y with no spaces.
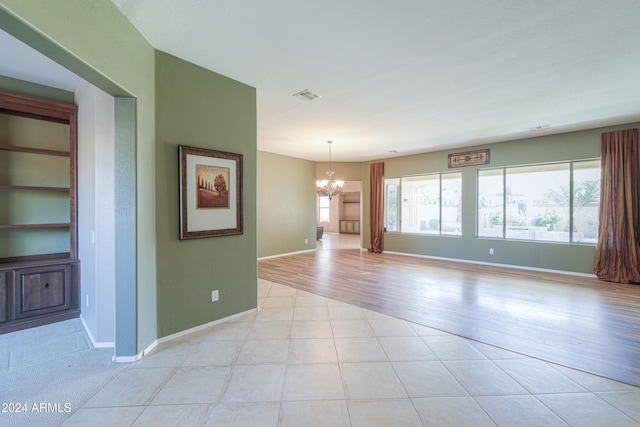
{"x":147,"y":350}
{"x":204,"y":326}
{"x":107,"y":344}
{"x":154,"y":344}
{"x":287,"y":254}
{"x":133,"y":359}
{"x":491,"y":264}
{"x":125,"y":359}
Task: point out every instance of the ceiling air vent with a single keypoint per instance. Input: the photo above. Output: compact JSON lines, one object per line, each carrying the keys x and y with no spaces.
{"x":306,"y":95}
{"x":539,"y":127}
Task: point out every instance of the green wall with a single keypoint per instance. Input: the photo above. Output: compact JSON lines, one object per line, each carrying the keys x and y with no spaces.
{"x":343,"y":171}
{"x":286,"y":204}
{"x":553,"y":256}
{"x":198,"y":108}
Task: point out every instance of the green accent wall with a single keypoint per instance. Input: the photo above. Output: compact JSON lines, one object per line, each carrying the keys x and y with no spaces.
{"x":286,"y":204}
{"x":540,"y":255}
{"x":198,"y":108}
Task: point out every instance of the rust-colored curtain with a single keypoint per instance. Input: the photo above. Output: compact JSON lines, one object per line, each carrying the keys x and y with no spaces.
{"x":377,"y":207}
{"x":618,"y":250}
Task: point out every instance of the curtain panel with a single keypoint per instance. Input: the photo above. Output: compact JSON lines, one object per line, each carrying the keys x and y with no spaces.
{"x":618,"y":250}
{"x":377,"y":207}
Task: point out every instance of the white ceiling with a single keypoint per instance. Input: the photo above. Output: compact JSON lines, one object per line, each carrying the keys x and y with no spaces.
{"x":410,"y":75}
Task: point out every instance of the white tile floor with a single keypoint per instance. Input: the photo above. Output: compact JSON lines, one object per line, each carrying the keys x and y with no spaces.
{"x":306,"y":360}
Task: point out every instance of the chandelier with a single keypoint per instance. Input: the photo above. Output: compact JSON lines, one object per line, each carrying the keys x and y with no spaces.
{"x":329,"y":187}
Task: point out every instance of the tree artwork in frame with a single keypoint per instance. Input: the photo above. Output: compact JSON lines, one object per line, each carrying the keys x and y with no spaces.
{"x":210,"y":193}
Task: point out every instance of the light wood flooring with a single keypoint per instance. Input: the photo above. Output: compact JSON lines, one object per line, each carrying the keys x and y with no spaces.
{"x":579,"y":322}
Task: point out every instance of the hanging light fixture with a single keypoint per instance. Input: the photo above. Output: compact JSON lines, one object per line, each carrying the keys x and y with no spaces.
{"x":329,"y":187}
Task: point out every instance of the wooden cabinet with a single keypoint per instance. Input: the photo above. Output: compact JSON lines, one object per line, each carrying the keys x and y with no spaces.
{"x":43,"y":289}
{"x":34,"y":293}
{"x":3,"y":297}
{"x":38,"y":249}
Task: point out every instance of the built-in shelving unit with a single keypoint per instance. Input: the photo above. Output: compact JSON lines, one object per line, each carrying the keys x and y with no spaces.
{"x":38,"y":248}
{"x":350,"y":213}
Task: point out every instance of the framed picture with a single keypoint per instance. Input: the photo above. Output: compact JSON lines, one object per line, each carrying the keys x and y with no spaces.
{"x":210,"y":193}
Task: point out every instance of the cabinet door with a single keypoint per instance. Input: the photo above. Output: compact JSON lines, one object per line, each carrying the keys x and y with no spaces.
{"x":43,"y":290}
{"x":343,"y":226}
{"x":356,"y":227}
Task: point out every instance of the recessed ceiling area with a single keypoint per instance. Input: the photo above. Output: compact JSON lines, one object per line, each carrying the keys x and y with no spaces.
{"x":398,"y":78}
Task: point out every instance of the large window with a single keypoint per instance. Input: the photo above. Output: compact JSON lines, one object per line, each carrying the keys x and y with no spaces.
{"x":425,"y":204}
{"x":556,"y":202}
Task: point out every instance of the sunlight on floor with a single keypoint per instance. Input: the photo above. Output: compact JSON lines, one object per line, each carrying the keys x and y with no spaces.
{"x":339,"y":241}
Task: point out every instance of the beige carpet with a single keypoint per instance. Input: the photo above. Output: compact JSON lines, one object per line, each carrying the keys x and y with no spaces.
{"x":48,"y":372}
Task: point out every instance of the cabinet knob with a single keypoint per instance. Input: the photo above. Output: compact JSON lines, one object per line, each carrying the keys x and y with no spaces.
{"x":46,"y":285}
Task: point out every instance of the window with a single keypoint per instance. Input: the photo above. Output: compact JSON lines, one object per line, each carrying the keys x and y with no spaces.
{"x":556,"y":202}
{"x":424,"y":204}
{"x":586,"y":201}
{"x":323,"y":209}
{"x":391,"y":197}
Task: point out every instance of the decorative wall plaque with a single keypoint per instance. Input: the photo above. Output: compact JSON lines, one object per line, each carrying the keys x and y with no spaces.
{"x":469,"y":158}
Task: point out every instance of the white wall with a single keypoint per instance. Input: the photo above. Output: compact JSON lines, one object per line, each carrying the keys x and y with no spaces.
{"x":96,"y":212}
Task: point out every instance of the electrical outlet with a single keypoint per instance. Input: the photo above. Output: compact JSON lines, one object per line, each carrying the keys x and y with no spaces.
{"x":306,"y":241}
{"x":490,"y":251}
{"x":214,"y":296}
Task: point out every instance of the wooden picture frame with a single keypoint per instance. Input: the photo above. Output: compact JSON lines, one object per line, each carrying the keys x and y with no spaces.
{"x":469,"y":158}
{"x":210,"y":193}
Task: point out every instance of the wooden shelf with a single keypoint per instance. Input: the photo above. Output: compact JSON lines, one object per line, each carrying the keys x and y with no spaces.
{"x":35,"y":260}
{"x":33,"y":187}
{"x":33,"y":226}
{"x":19,"y":149}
